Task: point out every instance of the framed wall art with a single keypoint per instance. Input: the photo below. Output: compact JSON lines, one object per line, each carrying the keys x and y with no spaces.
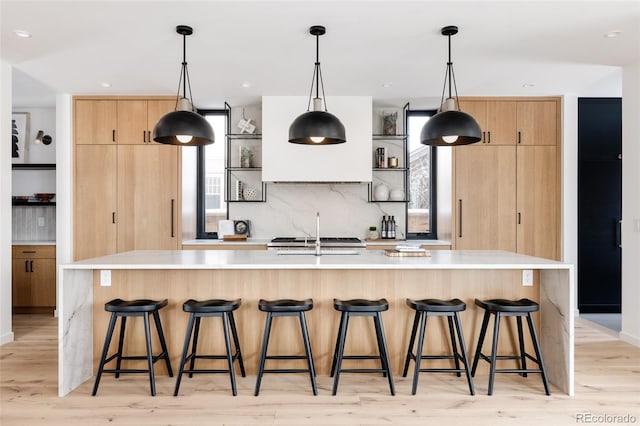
{"x":19,"y":136}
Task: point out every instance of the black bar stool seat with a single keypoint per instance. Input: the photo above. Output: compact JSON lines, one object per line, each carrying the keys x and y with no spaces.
{"x":133,"y":308}
{"x":210,"y":308}
{"x":436,"y":307}
{"x":286,"y":308}
{"x":513,"y":308}
{"x":361,"y":307}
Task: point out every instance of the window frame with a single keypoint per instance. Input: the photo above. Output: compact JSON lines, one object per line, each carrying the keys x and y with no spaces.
{"x":201,"y":183}
{"x":432,"y":234}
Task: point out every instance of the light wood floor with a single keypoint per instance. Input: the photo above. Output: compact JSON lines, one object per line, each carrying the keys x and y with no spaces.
{"x":607,"y":383}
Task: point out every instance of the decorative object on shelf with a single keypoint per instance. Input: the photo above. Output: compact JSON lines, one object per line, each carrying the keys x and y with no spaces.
{"x":381,"y":192}
{"x":249,"y":194}
{"x":317,"y":127}
{"x":245,"y":125}
{"x":450,"y":126}
{"x":246,"y":156}
{"x":184,"y":126}
{"x":239,"y":190}
{"x":389,"y":121}
{"x":242,"y":227}
{"x":19,"y":135}
{"x":43,"y":139}
{"x":380,"y":160}
{"x":396,"y":195}
{"x":393,"y":162}
{"x":372,"y":234}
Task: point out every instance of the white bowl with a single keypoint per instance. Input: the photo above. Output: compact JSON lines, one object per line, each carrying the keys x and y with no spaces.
{"x":396,"y":195}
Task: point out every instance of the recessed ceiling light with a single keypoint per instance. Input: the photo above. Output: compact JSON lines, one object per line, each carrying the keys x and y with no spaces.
{"x":612,"y":34}
{"x":105,"y":84}
{"x":527,"y":85}
{"x":246,"y":84}
{"x":22,"y":33}
{"x":387,"y":85}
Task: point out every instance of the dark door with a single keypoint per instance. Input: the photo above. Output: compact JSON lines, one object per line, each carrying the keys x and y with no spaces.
{"x":599,"y":204}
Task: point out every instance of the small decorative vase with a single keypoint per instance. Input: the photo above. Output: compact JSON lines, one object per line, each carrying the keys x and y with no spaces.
{"x":249,"y":194}
{"x":381,"y":192}
{"x":397,"y":195}
{"x":372,"y":235}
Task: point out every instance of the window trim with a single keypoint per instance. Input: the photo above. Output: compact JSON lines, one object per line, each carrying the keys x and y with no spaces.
{"x":201,"y":183}
{"x":433,"y":230}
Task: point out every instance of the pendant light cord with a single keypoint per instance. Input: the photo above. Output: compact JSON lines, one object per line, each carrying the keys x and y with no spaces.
{"x":184,"y":81}
{"x":451,"y":76}
{"x":317,"y":78}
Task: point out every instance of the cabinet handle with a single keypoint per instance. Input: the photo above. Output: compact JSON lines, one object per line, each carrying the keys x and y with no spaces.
{"x":618,"y":226}
{"x":519,"y":218}
{"x":460,"y":218}
{"x":489,"y":137}
{"x":113,"y":135}
{"x":113,"y":217}
{"x":26,"y":266}
{"x":31,"y":265}
{"x":149,"y":136}
{"x":484,"y":139}
{"x":144,"y":136}
{"x":519,"y":137}
{"x":28,"y":251}
{"x":173,"y":202}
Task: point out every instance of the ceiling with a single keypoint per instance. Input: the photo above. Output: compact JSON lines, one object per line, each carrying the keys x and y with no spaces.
{"x":558,"y":46}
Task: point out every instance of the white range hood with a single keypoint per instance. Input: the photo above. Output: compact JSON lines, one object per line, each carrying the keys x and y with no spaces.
{"x":287,"y":162}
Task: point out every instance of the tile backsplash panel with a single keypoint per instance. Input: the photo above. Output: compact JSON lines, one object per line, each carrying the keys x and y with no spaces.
{"x":33,"y":223}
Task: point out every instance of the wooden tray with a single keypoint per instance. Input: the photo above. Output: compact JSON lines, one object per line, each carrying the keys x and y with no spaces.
{"x":234,"y":238}
{"x":398,"y":253}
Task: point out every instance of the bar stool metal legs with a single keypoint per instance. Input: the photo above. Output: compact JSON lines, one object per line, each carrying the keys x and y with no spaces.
{"x":210,"y":308}
{"x":281,"y":308}
{"x":501,"y":308}
{"x":435,"y":307}
{"x":361,"y":307}
{"x":135,"y":308}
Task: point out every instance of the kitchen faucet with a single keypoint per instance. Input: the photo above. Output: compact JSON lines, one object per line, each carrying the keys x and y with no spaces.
{"x":317,"y":252}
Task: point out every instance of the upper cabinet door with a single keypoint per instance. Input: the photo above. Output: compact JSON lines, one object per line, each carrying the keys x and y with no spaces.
{"x":537,"y":122}
{"x":132,"y":122}
{"x":478,"y":110}
{"x":501,"y":123}
{"x":155,"y":111}
{"x":95,"y":121}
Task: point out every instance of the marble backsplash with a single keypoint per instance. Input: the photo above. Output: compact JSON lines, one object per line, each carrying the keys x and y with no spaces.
{"x":33,"y":223}
{"x":291,"y":209}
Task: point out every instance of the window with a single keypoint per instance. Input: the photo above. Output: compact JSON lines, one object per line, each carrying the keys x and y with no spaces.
{"x":421,"y":217}
{"x":211,"y":177}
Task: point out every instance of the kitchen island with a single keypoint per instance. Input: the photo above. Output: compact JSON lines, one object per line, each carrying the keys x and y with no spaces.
{"x":203,"y":274}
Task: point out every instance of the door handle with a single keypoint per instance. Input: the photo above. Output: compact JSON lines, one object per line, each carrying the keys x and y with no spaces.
{"x":489,"y":137}
{"x":113,"y":135}
{"x":113,"y":217}
{"x":144,"y":136}
{"x":173,"y":202}
{"x":28,"y":251}
{"x":484,"y":138}
{"x":519,"y":218}
{"x":26,"y":266}
{"x":618,"y":226}
{"x":519,"y":137}
{"x":460,"y":218}
{"x":31,"y":265}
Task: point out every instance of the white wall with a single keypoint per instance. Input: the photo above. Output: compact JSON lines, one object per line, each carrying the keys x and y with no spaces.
{"x":6,"y":329}
{"x":631,"y":204}
{"x":570,"y":185}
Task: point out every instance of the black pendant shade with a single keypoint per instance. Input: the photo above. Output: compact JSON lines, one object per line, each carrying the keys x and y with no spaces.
{"x":317,"y":127}
{"x":442,"y":129}
{"x":326,"y":127}
{"x":450,"y":127}
{"x":183,"y":127}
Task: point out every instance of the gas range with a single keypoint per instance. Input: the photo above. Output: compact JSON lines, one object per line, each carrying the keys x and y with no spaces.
{"x":342,"y":242}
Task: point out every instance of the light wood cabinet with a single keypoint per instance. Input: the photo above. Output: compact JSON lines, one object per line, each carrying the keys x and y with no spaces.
{"x":118,"y":121}
{"x":508,"y":197}
{"x":126,"y":194}
{"x":485,"y":197}
{"x":537,"y":202}
{"x":34,"y":279}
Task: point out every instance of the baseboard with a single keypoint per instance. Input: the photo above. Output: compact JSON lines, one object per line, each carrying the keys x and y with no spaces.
{"x":6,"y":338}
{"x":630,"y":338}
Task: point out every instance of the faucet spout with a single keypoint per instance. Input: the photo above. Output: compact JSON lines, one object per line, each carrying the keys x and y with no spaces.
{"x":317,"y":245}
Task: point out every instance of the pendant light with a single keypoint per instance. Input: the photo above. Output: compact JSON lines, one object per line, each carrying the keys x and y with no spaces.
{"x":450,"y":126}
{"x":184,"y":126}
{"x":317,"y":127}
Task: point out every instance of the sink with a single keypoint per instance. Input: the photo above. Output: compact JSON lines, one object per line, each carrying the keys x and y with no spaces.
{"x":312,"y":252}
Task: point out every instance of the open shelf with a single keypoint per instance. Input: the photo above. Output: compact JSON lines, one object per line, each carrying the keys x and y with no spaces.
{"x":33,"y":166}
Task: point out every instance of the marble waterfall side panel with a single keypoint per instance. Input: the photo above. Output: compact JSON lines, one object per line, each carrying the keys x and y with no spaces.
{"x":75,"y":329}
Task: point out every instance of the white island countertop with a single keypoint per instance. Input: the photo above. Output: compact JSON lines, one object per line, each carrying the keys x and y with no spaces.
{"x":270,"y":259}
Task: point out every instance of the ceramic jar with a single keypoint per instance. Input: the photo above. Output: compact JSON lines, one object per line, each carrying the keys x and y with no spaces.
{"x":381,"y":192}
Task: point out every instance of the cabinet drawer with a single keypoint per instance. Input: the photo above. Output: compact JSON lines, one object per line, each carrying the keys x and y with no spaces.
{"x":34,"y":252}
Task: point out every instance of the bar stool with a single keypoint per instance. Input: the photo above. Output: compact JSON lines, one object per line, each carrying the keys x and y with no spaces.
{"x":360,"y":308}
{"x":133,"y":308}
{"x":286,"y":308}
{"x":435,"y":307}
{"x":210,"y":308}
{"x":509,"y":308}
